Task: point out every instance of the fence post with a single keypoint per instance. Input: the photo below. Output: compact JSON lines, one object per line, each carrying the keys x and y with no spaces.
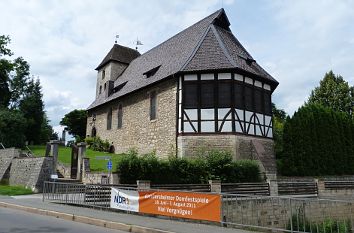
{"x":215,"y":186}
{"x":81,"y":154}
{"x":143,"y":184}
{"x":273,"y":187}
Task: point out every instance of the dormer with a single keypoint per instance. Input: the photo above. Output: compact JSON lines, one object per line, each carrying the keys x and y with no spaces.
{"x":112,"y":66}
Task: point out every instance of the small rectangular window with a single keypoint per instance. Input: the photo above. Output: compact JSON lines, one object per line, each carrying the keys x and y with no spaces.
{"x":190,"y":97}
{"x":207,"y":94}
{"x":224,"y":100}
{"x":249,"y":98}
{"x":238,"y":88}
{"x":153,"y":105}
{"x":258,"y":100}
{"x":120,"y":116}
{"x":267,"y":103}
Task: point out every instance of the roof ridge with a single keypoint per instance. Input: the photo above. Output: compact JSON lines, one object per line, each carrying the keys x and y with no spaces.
{"x":196,"y":48}
{"x":223,"y":47}
{"x":234,"y":37}
{"x":218,"y":13}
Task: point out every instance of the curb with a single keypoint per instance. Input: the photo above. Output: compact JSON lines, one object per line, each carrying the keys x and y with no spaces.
{"x":84,"y":219}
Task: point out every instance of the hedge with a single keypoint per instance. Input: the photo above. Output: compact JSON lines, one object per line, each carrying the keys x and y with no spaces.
{"x":318,"y":141}
{"x":214,"y":165}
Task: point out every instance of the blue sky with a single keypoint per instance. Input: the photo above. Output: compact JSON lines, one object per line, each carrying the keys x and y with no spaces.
{"x":295,"y":41}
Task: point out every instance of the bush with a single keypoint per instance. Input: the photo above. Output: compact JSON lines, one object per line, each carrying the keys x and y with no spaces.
{"x":97,"y":144}
{"x":328,"y":225}
{"x":214,"y":165}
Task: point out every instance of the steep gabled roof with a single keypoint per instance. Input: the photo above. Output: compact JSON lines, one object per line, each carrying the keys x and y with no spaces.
{"x":120,"y":54}
{"x":206,"y":45}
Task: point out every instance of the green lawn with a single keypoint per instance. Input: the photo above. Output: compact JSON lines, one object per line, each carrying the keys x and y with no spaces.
{"x":65,"y":157}
{"x":14,"y":190}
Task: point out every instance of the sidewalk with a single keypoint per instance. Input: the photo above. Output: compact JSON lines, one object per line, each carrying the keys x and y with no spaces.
{"x":119,"y":221}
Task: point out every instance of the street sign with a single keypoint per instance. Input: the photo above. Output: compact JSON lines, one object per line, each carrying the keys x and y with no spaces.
{"x":109,"y":165}
{"x":103,"y":157}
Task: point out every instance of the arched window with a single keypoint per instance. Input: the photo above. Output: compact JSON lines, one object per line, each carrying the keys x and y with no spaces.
{"x":109,"y":119}
{"x":105,"y":86}
{"x":93,"y":132}
{"x":120,"y":116}
{"x":100,"y":90}
{"x":103,"y":74}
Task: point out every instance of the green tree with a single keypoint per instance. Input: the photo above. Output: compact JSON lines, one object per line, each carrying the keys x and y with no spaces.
{"x":20,"y":81}
{"x":334,"y":92}
{"x":20,"y":96}
{"x":6,"y":67}
{"x":12,"y":127}
{"x":279,"y":117}
{"x":32,"y":108}
{"x":318,"y":141}
{"x":47,"y":132}
{"x":75,"y":123}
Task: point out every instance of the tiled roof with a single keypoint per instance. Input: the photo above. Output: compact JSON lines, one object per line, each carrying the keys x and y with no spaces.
{"x":120,"y":54}
{"x":208,"y":44}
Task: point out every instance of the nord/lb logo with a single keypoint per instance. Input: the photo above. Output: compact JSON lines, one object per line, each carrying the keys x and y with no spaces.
{"x":121,"y":200}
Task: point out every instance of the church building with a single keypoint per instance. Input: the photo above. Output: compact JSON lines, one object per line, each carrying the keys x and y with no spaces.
{"x":200,"y":90}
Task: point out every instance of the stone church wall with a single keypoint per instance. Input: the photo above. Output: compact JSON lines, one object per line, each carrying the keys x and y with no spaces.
{"x":137,"y":130}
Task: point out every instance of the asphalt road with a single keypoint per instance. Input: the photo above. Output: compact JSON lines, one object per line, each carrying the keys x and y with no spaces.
{"x":15,"y":221}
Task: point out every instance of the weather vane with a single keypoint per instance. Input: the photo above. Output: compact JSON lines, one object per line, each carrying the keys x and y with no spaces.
{"x":138,"y":43}
{"x":117,"y":36}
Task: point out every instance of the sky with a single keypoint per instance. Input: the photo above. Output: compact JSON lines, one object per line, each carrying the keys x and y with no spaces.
{"x":297,"y":42}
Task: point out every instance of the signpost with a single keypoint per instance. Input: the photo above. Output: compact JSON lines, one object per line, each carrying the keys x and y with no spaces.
{"x":109,"y":164}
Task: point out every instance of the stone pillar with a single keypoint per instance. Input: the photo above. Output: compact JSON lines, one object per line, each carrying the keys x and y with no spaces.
{"x":143,"y":184}
{"x":273,"y":187}
{"x":321,"y":190}
{"x":80,"y":155}
{"x":215,"y":186}
{"x":54,"y":144}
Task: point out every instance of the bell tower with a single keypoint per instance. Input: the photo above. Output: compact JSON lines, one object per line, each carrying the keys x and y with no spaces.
{"x":111,"y":67}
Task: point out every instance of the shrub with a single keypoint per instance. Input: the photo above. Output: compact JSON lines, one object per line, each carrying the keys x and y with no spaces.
{"x":214,"y":165}
{"x":97,"y":144}
{"x":302,"y":224}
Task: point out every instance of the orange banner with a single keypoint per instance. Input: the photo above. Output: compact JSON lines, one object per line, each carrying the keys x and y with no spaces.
{"x":181,"y":204}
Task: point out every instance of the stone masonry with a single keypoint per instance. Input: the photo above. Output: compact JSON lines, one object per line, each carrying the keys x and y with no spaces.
{"x":31,"y":172}
{"x":112,"y":69}
{"x":240,"y":147}
{"x":276,"y":212}
{"x":138,"y":131}
{"x":6,"y":156}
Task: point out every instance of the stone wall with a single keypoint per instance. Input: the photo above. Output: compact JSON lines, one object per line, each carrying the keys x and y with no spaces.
{"x":96,"y":178}
{"x":276,"y":212}
{"x":31,"y":172}
{"x":6,"y":156}
{"x":240,"y":146}
{"x":341,"y":193}
{"x":138,"y":131}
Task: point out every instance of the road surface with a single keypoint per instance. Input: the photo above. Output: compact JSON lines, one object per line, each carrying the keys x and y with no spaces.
{"x":16,"y":221}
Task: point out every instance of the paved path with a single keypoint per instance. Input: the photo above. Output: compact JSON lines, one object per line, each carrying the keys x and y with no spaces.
{"x":129,"y":219}
{"x":22,"y":222}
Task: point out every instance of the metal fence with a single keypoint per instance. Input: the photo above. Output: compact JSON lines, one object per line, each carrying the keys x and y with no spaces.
{"x":284,"y":214}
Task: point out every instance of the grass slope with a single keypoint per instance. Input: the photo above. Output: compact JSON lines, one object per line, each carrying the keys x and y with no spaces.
{"x":14,"y":190}
{"x":65,"y":157}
